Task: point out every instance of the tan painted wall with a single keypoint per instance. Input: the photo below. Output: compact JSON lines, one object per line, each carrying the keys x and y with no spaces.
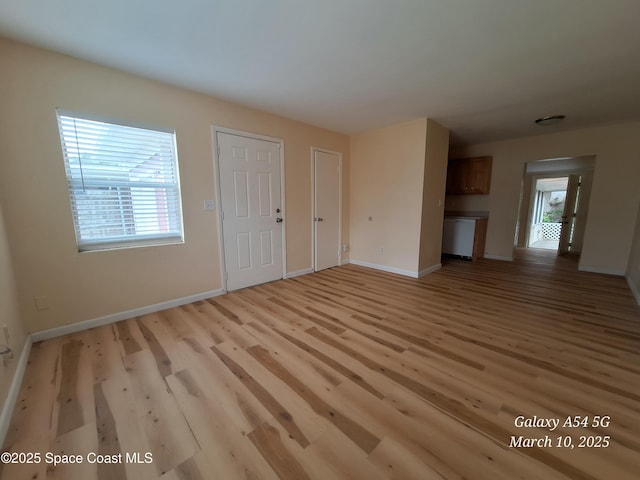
{"x":614,"y":196}
{"x":435,"y":174}
{"x":9,"y":314}
{"x":34,"y":193}
{"x":387,"y":170}
{"x":633,"y":269}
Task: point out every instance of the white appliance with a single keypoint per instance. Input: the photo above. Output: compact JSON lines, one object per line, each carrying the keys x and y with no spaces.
{"x":458,"y":235}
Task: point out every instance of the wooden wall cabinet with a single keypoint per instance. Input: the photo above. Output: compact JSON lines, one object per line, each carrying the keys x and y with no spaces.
{"x":469,"y":176}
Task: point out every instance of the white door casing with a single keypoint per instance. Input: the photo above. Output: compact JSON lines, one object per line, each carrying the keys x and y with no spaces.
{"x":327,"y":199}
{"x":249,"y":176}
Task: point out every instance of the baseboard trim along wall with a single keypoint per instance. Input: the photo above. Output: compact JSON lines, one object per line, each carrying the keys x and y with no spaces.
{"x":297,"y":273}
{"x":14,"y":389}
{"x":116,"y":317}
{"x":498,"y":257}
{"x":385,"y":268}
{"x":605,"y":271}
{"x":429,"y":270}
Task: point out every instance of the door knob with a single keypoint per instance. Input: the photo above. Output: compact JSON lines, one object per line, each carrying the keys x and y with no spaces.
{"x":278,"y":220}
{"x":319,"y":219}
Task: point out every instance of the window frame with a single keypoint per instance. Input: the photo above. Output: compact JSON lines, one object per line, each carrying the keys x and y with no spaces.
{"x":74,"y":185}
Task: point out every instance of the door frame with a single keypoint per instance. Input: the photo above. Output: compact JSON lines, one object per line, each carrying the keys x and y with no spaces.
{"x":216,"y":176}
{"x":313,"y":204}
{"x":529,"y":182}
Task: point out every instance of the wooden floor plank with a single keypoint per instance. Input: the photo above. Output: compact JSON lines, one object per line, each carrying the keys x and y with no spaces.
{"x":230,"y":453}
{"x":33,"y":413}
{"x":122,"y":402}
{"x":267,"y":399}
{"x":220,"y":385}
{"x":267,"y":439}
{"x":169,"y":437}
{"x":357,"y":433}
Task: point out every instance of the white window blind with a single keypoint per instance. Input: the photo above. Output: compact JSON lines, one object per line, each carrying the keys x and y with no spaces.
{"x":123,"y":183}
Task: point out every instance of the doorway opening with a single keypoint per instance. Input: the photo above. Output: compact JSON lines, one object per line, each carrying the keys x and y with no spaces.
{"x":554,"y":205}
{"x":548,"y":208}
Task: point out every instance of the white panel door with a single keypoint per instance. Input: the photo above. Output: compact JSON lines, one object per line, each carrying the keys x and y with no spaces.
{"x":249,"y":173}
{"x":326,"y":209}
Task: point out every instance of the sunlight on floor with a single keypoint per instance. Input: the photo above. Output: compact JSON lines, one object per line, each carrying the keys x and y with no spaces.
{"x":546,"y":244}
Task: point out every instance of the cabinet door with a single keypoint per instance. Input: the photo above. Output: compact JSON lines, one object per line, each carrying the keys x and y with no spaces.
{"x":468,"y":176}
{"x":478,"y":175}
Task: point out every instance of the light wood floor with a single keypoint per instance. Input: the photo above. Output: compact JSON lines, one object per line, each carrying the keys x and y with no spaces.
{"x":349,"y":373}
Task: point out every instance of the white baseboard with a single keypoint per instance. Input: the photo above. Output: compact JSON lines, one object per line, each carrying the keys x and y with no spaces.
{"x":635,"y":289}
{"x":606,"y":271}
{"x":14,"y":389}
{"x":345,"y":261}
{"x":429,"y":270}
{"x":498,"y":257}
{"x":297,"y":273}
{"x":385,"y":268}
{"x":116,"y":317}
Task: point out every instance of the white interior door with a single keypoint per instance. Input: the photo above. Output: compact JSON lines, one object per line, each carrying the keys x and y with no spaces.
{"x":326,"y":216}
{"x":252,"y":220}
{"x":569,"y":214}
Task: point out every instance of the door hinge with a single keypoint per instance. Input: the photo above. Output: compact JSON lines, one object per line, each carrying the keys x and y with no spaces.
{"x":221,"y":215}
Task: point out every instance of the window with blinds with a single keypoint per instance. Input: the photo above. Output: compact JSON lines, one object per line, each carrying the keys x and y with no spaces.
{"x":123,"y":183}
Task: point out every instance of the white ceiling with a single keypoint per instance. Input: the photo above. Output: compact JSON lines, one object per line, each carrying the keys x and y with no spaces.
{"x":484,"y":68}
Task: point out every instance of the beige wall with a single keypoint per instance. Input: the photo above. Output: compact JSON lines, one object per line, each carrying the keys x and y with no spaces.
{"x":387,"y":170}
{"x":36,"y":205}
{"x":614,"y":196}
{"x":8,"y":314}
{"x":435,"y":174}
{"x":633,"y":269}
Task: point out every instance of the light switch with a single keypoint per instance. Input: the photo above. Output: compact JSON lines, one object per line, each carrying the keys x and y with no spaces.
{"x":209,"y":205}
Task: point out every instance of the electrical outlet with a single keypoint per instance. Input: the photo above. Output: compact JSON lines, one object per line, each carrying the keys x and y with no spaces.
{"x":345,"y":248}
{"x":209,"y":205}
